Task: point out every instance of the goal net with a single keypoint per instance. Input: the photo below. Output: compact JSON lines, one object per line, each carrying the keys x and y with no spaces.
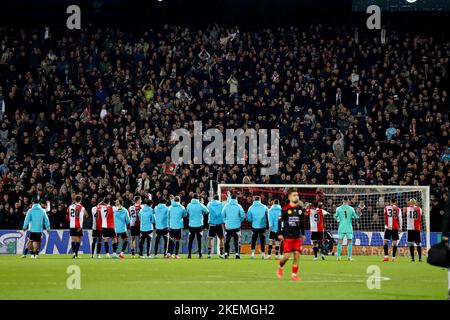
{"x":369,"y":201}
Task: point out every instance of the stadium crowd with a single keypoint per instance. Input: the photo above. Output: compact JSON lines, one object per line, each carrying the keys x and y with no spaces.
{"x":92,"y":112}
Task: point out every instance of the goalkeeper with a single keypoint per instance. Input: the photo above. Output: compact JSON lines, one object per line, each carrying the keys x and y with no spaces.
{"x":344,"y":216}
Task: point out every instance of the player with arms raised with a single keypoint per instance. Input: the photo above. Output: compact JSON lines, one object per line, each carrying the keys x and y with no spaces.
{"x":393,"y":225}
{"x":344,"y":216}
{"x":413,"y":225}
{"x":293,"y":230}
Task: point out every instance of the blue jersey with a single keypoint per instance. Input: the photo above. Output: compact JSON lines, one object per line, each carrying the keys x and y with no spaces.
{"x":215,"y":211}
{"x":176,"y":214}
{"x":233,"y":214}
{"x":36,"y":219}
{"x":274,"y":217}
{"x":161,"y":216}
{"x":146,"y":218}
{"x":121,"y":219}
{"x":257,"y":215}
{"x":195,"y":211}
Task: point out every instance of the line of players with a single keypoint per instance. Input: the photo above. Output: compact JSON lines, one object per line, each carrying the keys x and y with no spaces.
{"x":167,"y":221}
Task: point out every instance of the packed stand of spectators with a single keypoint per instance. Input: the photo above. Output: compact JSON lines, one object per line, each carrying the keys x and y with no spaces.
{"x":92,"y":112}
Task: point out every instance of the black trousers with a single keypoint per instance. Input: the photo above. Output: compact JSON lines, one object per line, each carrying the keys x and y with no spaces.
{"x":232,"y":233}
{"x":261,"y":233}
{"x":195,"y":232}
{"x":145,"y":236}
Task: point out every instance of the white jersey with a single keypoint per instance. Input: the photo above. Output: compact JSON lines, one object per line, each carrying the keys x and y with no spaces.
{"x":96,"y":219}
{"x":413,"y":217}
{"x":76,"y":214}
{"x":134,"y":215}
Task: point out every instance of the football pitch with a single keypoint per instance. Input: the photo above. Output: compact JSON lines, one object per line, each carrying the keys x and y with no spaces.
{"x":47,"y":277}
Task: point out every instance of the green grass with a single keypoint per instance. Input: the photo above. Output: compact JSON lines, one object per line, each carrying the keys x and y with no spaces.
{"x":46,"y":278}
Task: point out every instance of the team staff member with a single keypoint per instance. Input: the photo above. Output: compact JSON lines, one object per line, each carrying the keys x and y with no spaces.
{"x":37,"y":219}
{"x":195,"y":211}
{"x":257,"y":215}
{"x":233,"y":214}
{"x":121,"y":220}
{"x":274,"y":218}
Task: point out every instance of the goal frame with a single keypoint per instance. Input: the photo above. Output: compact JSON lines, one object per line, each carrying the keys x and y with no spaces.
{"x":425,"y":205}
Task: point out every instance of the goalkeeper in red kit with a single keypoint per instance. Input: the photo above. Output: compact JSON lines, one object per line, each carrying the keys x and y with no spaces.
{"x":293,"y":233}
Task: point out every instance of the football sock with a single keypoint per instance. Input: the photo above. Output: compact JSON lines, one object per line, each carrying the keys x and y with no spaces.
{"x":124,"y":246}
{"x":282,"y":263}
{"x":394,"y":251}
{"x":419,"y":252}
{"x":132,"y":252}
{"x":25,"y":251}
{"x":77,"y":247}
{"x":315,"y":249}
{"x":386,"y":251}
{"x":73,"y":247}
{"x":32,"y":252}
{"x":221,"y":250}
{"x":294,"y":269}
{"x":411,"y":251}
{"x":277,"y":248}
{"x":106,"y":246}
{"x":349,"y":250}
{"x":269,"y":250}
{"x":94,"y":242}
{"x":114,"y":247}
{"x":99,"y":247}
{"x":339,"y":249}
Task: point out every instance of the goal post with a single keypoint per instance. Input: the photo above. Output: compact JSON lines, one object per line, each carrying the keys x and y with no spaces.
{"x":368,"y":200}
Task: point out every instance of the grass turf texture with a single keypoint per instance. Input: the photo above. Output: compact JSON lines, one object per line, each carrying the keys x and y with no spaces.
{"x":45,"y":278}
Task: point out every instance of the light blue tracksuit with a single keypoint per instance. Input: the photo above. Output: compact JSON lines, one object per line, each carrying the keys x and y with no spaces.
{"x":176,"y":214}
{"x":195,"y":211}
{"x":146,"y":216}
{"x":37,"y":218}
{"x":274,"y":216}
{"x":215,"y":211}
{"x":161,"y":216}
{"x":257,"y":215}
{"x":121,"y":219}
{"x":233,"y":215}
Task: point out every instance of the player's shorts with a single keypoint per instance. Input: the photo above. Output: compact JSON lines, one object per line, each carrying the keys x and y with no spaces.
{"x":347,"y":235}
{"x":162,"y":232}
{"x":216,"y":230}
{"x":109,"y":233}
{"x":145,"y":234}
{"x":175,"y":233}
{"x":97,"y":233}
{"x":134,"y":231}
{"x":414,"y":236}
{"x":316,"y":235}
{"x":76,"y":232}
{"x":35,"y":236}
{"x":195,"y":230}
{"x":290,"y":245}
{"x":274,"y":235}
{"x":122,"y":235}
{"x":391,"y":234}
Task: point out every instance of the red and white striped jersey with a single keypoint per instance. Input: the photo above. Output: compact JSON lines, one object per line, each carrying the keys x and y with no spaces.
{"x":76,"y":214}
{"x":96,"y":219}
{"x":107,"y":214}
{"x":393,"y":217}
{"x":413,"y":217}
{"x":134,"y":215}
{"x":316,"y":219}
